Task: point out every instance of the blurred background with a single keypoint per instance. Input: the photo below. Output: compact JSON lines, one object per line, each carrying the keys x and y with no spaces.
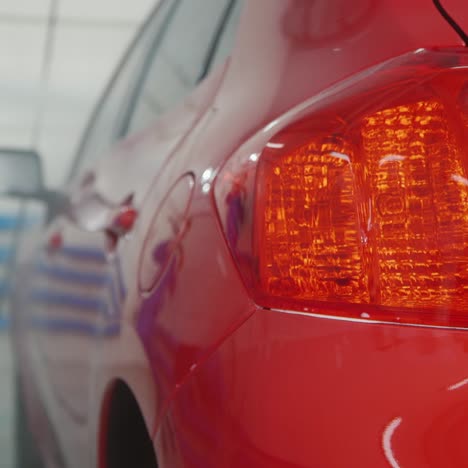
{"x":55,"y":58}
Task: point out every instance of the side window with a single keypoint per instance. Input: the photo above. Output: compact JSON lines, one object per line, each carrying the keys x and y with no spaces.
{"x":106,"y":122}
{"x":179,"y":60}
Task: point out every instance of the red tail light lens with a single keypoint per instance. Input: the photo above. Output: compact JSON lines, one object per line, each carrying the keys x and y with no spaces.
{"x":356,"y":204}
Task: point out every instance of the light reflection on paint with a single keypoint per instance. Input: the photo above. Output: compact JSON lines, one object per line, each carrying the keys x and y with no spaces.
{"x":207,"y":175}
{"x":271,"y":125}
{"x":457,"y":385}
{"x":387,"y":441}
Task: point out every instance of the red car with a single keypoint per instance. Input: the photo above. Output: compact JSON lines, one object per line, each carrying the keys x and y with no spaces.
{"x":270,"y":267}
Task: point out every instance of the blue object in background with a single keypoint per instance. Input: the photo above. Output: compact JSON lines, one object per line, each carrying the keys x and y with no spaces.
{"x":4,"y":321}
{"x":13,"y":219}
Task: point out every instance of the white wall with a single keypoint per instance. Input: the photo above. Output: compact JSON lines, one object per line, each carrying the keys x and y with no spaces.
{"x":48,"y":88}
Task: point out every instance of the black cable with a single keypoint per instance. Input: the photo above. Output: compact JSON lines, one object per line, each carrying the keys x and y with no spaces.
{"x":452,"y":22}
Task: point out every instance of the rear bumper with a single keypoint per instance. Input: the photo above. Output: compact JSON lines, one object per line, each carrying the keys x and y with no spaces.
{"x":290,"y":390}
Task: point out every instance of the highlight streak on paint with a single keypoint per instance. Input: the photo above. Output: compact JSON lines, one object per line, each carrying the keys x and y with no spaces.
{"x":457,"y":385}
{"x":387,"y":442}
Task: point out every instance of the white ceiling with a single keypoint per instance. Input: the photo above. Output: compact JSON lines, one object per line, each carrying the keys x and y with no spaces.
{"x":47,"y":93}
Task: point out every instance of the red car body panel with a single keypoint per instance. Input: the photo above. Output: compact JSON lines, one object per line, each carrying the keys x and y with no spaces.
{"x":293,"y":390}
{"x":220,"y":381}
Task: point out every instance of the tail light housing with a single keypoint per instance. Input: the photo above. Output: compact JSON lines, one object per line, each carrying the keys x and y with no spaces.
{"x":355,"y":204}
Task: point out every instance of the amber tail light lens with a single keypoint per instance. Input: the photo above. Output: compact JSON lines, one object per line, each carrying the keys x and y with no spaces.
{"x":356,"y":203}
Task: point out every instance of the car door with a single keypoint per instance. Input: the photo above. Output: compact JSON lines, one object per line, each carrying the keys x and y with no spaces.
{"x":81,"y":285}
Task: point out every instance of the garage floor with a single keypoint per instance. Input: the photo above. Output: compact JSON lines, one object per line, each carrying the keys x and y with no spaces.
{"x":6,"y":402}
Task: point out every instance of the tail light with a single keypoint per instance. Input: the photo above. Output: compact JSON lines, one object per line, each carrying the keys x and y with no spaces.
{"x":356,"y":203}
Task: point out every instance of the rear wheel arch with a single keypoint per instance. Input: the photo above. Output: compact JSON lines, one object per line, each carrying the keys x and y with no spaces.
{"x":124,"y":439}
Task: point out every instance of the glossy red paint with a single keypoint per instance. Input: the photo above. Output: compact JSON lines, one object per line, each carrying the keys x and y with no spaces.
{"x":163,"y":238}
{"x":219,"y":381}
{"x":291,"y":390}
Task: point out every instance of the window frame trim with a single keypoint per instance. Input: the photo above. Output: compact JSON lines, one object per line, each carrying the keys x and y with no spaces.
{"x":206,"y":62}
{"x":79,"y":153}
{"x":131,"y":99}
{"x":213,"y":48}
